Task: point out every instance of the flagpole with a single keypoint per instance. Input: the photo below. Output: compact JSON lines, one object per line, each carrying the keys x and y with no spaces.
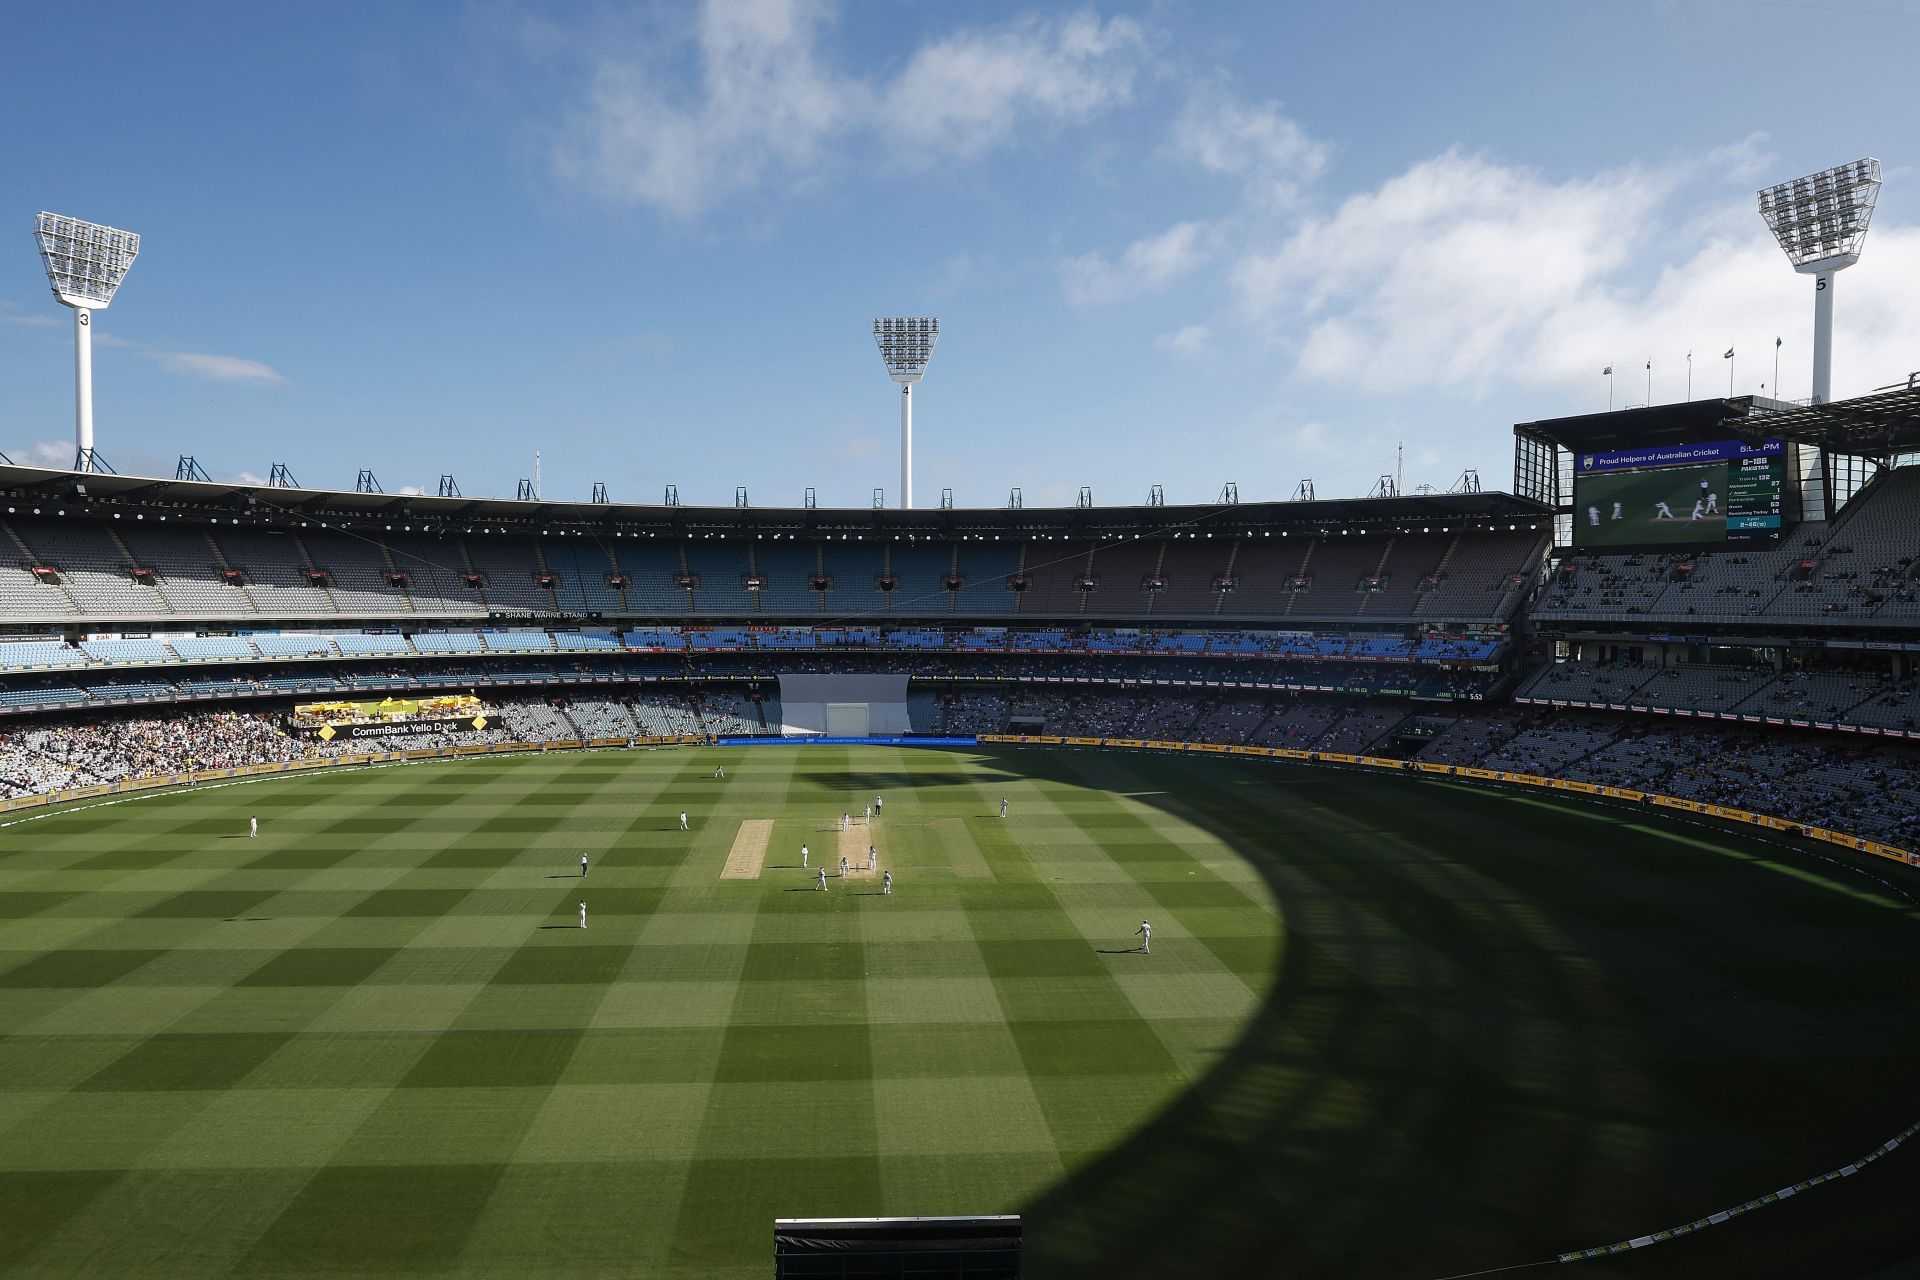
{"x":1776,"y":368}
{"x":1649,"y":384}
{"x":1609,"y":388}
{"x":1729,"y":373}
{"x":1689,"y":377}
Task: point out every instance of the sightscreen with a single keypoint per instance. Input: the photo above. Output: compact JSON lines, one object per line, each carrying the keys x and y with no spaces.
{"x":1717,"y":493}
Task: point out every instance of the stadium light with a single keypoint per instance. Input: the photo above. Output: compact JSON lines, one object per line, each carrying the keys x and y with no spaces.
{"x":906,"y":344}
{"x":1820,"y":221}
{"x":85,"y":264}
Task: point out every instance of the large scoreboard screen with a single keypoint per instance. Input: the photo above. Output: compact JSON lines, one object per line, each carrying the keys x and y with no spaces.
{"x":1712,"y":494}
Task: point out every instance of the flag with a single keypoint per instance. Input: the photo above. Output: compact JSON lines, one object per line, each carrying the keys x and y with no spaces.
{"x":1729,"y":354}
{"x":1607,"y":372}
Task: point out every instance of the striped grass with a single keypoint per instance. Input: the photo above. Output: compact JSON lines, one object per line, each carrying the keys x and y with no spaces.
{"x":1387,"y":1028}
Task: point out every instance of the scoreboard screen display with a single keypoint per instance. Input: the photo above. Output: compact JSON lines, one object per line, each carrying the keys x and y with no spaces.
{"x":1718,"y":493}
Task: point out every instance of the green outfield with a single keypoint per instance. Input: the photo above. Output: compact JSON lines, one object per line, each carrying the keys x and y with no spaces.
{"x":1624,"y":508}
{"x":1388,"y":1027}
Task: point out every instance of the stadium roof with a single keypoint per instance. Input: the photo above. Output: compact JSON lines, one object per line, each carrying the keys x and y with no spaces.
{"x":1885,"y":422}
{"x":74,"y":493}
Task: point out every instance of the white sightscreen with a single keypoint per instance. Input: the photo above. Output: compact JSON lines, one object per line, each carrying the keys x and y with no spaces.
{"x":843,"y":706}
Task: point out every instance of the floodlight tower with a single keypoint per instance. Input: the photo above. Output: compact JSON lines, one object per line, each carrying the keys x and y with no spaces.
{"x":1820,"y":221}
{"x":906,"y":344}
{"x":85,"y":264}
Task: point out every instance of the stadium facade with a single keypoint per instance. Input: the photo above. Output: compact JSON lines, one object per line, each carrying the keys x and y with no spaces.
{"x":1723,"y":567}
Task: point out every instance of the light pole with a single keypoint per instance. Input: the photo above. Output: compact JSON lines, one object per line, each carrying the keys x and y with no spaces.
{"x":85,"y":263}
{"x":906,"y":344}
{"x":1820,"y":221}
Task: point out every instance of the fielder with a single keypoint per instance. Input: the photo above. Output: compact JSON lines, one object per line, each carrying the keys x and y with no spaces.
{"x":823,"y":879}
{"x":253,"y":827}
{"x":683,"y":821}
{"x":886,"y":882}
{"x":1003,"y":806}
{"x":873,"y":858}
{"x":869,"y":815}
{"x":803,"y":857}
{"x":583,"y":915}
{"x":846,"y":822}
{"x":843,"y":867}
{"x":719,"y":771}
{"x":583,"y":866}
{"x":1146,"y":938}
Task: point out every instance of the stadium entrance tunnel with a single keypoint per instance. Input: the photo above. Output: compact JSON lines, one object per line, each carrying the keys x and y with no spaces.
{"x":1495,"y":1035}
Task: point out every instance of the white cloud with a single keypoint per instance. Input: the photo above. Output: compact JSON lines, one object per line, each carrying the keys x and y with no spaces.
{"x":1190,"y":341}
{"x":53,"y":454}
{"x":198,"y":364}
{"x":764,"y":103}
{"x":1258,"y":143}
{"x":965,"y":94}
{"x":1447,"y":271}
{"x":1147,"y":266}
{"x":1464,"y":274}
{"x":1314,"y":439}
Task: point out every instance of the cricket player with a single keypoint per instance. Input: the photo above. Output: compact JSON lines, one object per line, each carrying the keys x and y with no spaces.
{"x":1699,"y":506}
{"x":1003,"y":806}
{"x":583,"y":866}
{"x":1146,"y":937}
{"x":873,"y":858}
{"x":583,"y":915}
{"x":823,"y":879}
{"x":1616,"y":511}
{"x":886,"y":882}
{"x":803,"y":857}
{"x":869,"y":815}
{"x":1661,"y":511}
{"x":843,"y":866}
{"x":719,"y":771}
{"x":683,"y":821}
{"x":253,"y":827}
{"x":1713,"y":504}
{"x":1593,"y":516}
{"x":846,"y":822}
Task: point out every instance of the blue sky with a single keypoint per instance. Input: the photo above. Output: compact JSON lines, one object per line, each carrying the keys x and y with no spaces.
{"x":1169,"y":243}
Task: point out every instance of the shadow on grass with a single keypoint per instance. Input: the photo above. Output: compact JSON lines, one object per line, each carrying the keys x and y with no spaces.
{"x":1462,"y":1063}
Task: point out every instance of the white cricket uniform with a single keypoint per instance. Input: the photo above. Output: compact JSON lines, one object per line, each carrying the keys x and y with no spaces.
{"x":1616,"y":511}
{"x":843,"y":868}
{"x":1146,"y":937}
{"x":823,"y":879}
{"x":1662,"y":511}
{"x":886,"y":883}
{"x":253,"y":827}
{"x":1713,"y":504}
{"x":803,"y":857}
{"x":583,"y":915}
{"x":1593,"y":516}
{"x":873,"y":858}
{"x":1698,"y":507}
{"x":1003,"y":807}
{"x":683,"y":820}
{"x":869,"y":813}
{"x":583,"y":866}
